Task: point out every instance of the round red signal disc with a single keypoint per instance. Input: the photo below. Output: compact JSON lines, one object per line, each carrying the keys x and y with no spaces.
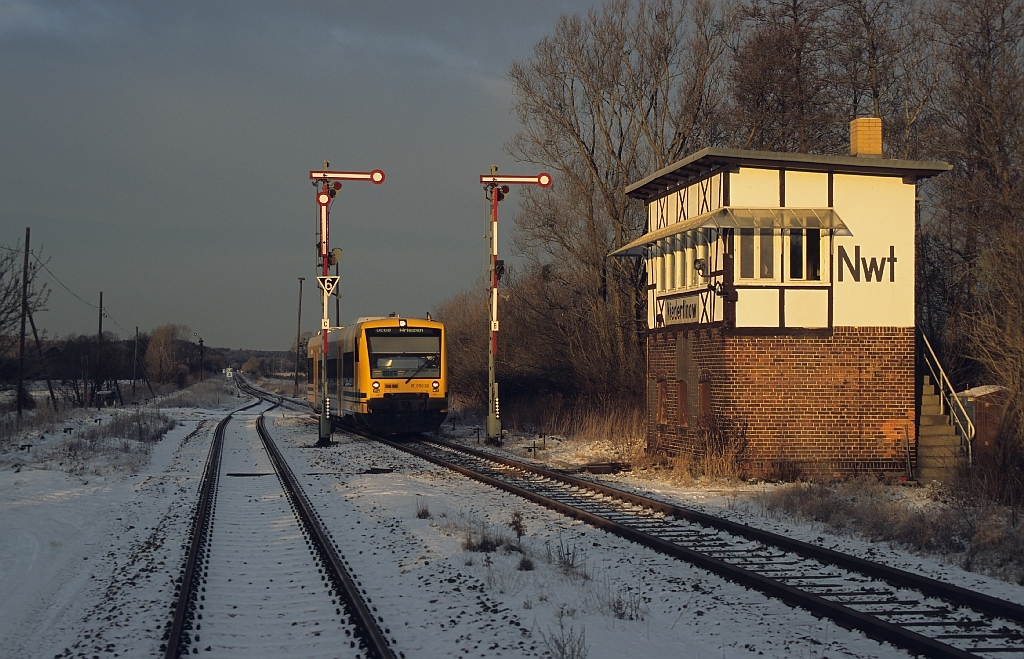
{"x":323,"y":198}
{"x":377,"y":176}
{"x":544,"y":179}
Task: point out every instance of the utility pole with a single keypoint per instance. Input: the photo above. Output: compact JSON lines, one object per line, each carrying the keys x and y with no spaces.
{"x":24,"y":313}
{"x":495,"y":189}
{"x":135,"y":360}
{"x":99,"y":352}
{"x":327,"y":184}
{"x":42,"y":359}
{"x":200,"y":355}
{"x":298,"y":339}
{"x":337,"y":294}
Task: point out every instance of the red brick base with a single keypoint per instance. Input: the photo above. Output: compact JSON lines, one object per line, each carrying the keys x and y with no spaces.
{"x":813,"y":404}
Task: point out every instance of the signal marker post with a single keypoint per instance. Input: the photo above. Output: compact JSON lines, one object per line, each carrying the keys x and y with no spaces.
{"x":327,"y":184}
{"x":495,"y":189}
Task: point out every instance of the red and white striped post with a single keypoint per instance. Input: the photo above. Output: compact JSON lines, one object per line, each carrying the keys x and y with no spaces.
{"x":328,"y":183}
{"x":495,"y":189}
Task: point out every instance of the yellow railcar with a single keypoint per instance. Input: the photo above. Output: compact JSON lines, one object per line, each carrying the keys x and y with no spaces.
{"x":385,"y":374}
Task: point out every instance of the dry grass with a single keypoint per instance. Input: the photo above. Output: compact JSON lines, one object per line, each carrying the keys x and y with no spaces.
{"x":718,"y":450}
{"x":139,"y":425}
{"x":122,"y":444}
{"x":42,"y":419}
{"x":953,"y":522}
{"x":623,"y":430}
{"x":209,"y":394}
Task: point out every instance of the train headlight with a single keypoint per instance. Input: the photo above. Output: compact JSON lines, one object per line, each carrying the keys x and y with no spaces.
{"x":376,"y":386}
{"x":435,"y":385}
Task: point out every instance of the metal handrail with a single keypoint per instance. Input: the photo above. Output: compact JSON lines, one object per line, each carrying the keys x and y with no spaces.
{"x":947,"y":400}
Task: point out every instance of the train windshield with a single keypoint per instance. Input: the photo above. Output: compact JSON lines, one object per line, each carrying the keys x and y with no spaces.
{"x":404,"y":352}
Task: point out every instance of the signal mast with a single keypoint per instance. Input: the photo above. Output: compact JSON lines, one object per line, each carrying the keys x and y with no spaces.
{"x":327,"y":184}
{"x":495,"y":189}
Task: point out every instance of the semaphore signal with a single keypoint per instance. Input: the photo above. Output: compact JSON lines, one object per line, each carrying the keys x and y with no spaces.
{"x":543,"y":179}
{"x":327,"y":184}
{"x":495,"y":189}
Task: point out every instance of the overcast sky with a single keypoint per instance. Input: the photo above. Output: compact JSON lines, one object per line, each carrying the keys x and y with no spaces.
{"x":160,"y":152}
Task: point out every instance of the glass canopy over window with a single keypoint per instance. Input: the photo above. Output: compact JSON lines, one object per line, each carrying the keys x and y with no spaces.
{"x":729,"y":217}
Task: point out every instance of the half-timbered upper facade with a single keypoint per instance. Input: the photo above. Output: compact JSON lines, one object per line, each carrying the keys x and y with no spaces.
{"x":763,"y":240}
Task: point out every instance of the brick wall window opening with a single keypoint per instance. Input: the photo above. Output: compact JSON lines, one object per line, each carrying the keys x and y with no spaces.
{"x":682,"y":405}
{"x":805,"y":254}
{"x":662,"y":403}
{"x":757,"y":253}
{"x":704,"y":397}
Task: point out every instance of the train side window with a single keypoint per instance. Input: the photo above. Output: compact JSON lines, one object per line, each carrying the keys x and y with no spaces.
{"x":332,"y":370}
{"x":309,"y":370}
{"x":348,"y":368}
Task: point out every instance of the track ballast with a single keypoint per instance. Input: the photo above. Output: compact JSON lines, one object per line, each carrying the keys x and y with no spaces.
{"x":247,"y":581}
{"x":919,"y":614}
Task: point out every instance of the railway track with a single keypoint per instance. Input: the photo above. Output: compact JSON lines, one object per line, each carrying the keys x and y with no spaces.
{"x":922,"y":615}
{"x":261,"y":571}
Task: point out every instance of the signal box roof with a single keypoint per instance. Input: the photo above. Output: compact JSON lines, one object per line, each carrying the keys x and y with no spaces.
{"x":711,"y":160}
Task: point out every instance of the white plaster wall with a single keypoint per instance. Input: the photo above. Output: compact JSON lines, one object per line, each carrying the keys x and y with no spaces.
{"x":880,"y":213}
{"x":807,"y":189}
{"x":754,"y":187}
{"x":807,"y":308}
{"x":757,"y":307}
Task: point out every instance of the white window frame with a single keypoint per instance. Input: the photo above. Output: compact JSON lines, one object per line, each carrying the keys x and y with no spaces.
{"x":776,"y":250}
{"x":824,"y":251}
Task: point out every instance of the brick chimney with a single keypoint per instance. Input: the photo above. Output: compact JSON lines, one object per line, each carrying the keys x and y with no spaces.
{"x":866,"y":137}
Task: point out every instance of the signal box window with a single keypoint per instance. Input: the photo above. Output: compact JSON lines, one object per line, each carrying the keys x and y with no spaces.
{"x":757,"y":253}
{"x":805,"y":254}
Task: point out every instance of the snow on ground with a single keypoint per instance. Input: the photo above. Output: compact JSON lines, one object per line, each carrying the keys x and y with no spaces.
{"x":738,"y":502}
{"x":88,"y":560}
{"x":620,"y":599}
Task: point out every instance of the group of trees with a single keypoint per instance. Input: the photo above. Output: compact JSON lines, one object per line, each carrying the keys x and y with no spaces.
{"x":608,"y":98}
{"x":79,"y":365}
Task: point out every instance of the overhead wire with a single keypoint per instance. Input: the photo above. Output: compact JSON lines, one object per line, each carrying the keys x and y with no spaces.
{"x":65,"y":287}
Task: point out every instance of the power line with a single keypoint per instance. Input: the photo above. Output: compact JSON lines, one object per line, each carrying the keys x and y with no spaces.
{"x":65,"y":287}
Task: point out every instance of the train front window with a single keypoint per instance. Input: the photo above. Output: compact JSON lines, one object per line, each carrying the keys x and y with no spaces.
{"x":404,"y":352}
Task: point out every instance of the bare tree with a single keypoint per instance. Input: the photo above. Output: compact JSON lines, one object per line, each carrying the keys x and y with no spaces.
{"x":982,"y":200}
{"x":783,"y":94}
{"x":11,"y":271}
{"x":886,"y":63}
{"x":604,"y":100}
{"x":164,"y":351}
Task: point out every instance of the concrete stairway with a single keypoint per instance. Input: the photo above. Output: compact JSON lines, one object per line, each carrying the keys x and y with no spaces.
{"x":938,"y":445}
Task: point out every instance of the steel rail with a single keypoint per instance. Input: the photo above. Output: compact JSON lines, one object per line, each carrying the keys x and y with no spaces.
{"x":871,"y":625}
{"x":979,"y":601}
{"x":361,"y":615}
{"x":176,"y":638}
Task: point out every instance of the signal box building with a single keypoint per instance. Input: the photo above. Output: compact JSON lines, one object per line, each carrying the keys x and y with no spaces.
{"x":781,"y":305}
